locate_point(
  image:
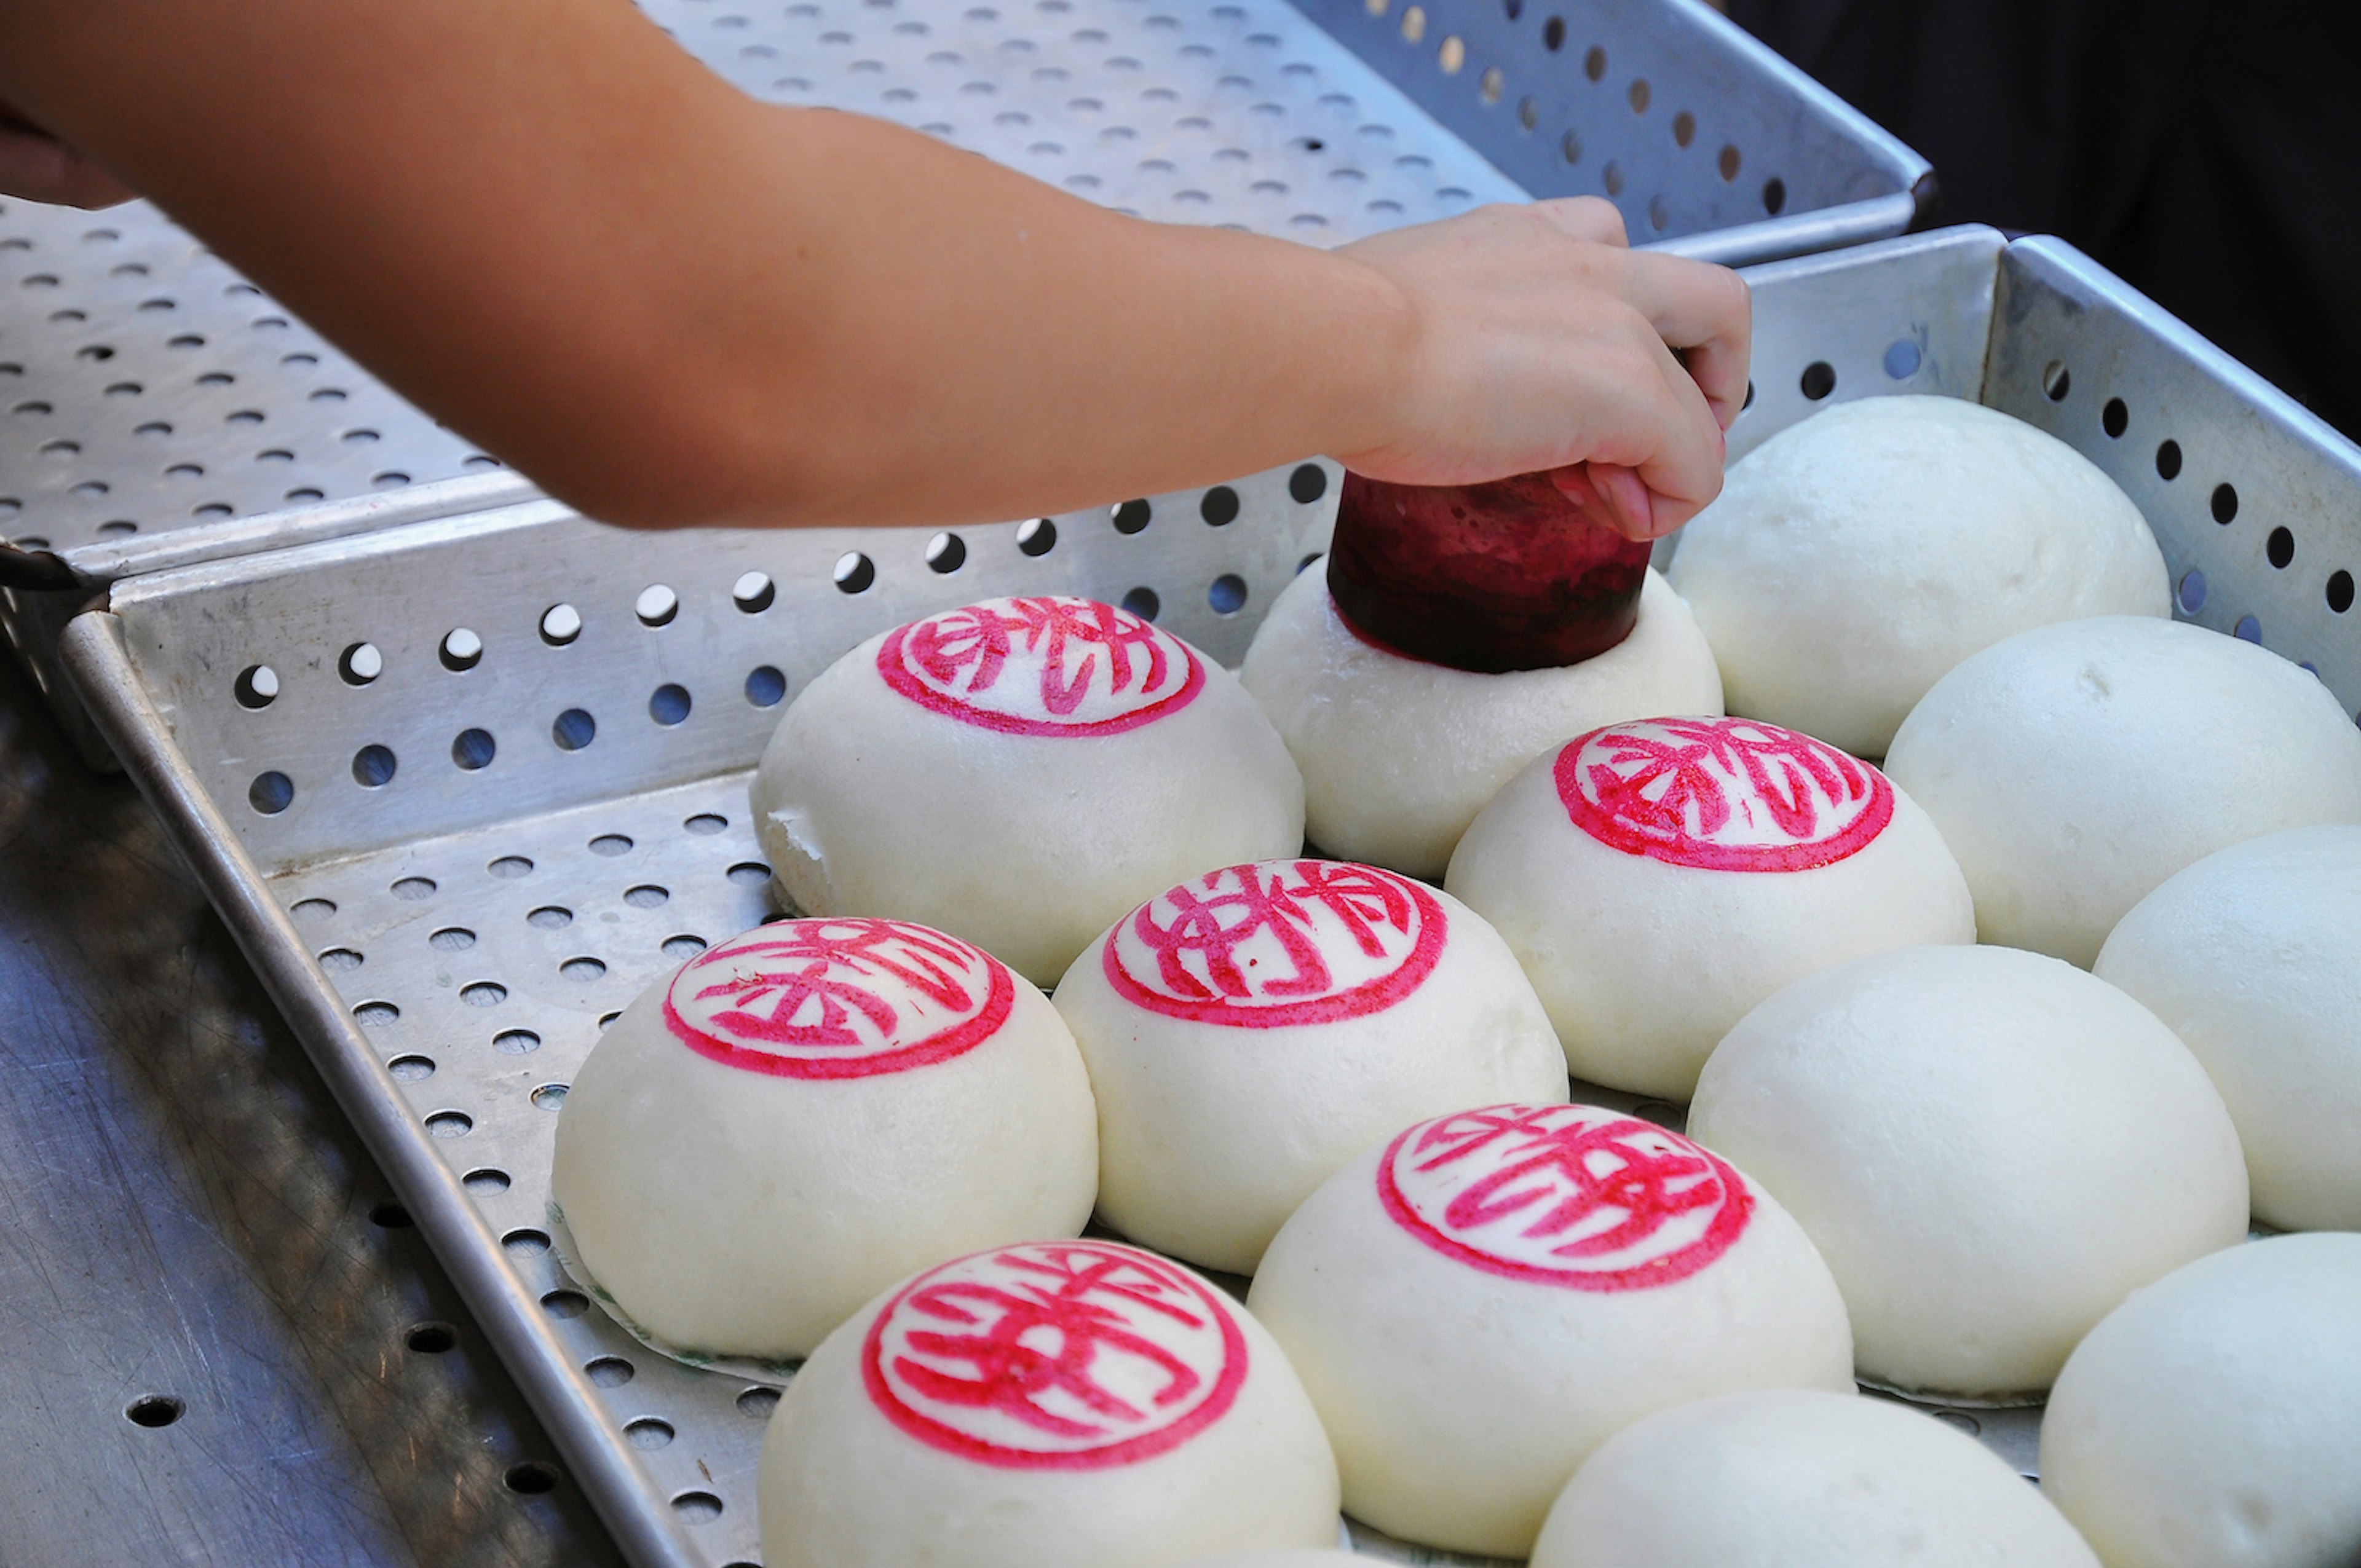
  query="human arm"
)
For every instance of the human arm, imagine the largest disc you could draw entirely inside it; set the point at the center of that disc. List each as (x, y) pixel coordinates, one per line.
(552, 229)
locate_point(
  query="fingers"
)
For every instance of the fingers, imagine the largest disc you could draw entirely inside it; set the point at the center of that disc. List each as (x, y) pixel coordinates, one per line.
(1705, 311)
(1584, 218)
(39, 168)
(1610, 495)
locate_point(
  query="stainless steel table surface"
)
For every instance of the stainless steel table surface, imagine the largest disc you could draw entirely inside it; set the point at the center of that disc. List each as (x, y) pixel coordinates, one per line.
(187, 1225)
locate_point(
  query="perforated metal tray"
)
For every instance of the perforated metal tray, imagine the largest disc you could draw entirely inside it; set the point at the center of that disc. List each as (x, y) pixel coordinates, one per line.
(156, 409)
(447, 938)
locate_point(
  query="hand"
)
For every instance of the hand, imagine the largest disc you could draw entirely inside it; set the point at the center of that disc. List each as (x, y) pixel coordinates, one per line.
(37, 166)
(1542, 342)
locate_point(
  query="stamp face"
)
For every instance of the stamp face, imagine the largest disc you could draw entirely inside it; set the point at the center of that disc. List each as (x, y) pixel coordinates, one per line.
(1567, 1195)
(1055, 1355)
(843, 998)
(1727, 794)
(1281, 943)
(1045, 665)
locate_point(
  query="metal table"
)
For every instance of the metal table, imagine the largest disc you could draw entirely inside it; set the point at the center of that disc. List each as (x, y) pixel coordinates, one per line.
(220, 1340)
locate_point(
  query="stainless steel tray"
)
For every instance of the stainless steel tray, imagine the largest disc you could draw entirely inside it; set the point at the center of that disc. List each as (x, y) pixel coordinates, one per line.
(156, 409)
(448, 940)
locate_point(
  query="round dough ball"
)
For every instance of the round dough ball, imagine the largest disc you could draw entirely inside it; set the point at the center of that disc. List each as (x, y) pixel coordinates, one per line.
(2253, 956)
(2073, 768)
(1251, 1030)
(1478, 1305)
(1793, 1476)
(1991, 1148)
(802, 1114)
(1051, 1405)
(2213, 1420)
(1398, 755)
(1851, 560)
(1019, 773)
(1658, 878)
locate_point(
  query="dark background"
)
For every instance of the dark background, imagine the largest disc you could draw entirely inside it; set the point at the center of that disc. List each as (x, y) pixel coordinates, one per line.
(2208, 151)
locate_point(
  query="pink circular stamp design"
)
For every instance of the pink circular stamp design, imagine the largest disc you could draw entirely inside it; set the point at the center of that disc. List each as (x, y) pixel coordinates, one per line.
(837, 998)
(1280, 943)
(1055, 1355)
(1725, 795)
(1042, 665)
(1569, 1195)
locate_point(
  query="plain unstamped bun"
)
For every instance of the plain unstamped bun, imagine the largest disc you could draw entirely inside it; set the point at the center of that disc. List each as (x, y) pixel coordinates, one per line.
(1481, 1302)
(1658, 878)
(1051, 1405)
(1398, 755)
(1018, 773)
(2073, 768)
(1853, 559)
(1251, 1030)
(2253, 956)
(2213, 1420)
(802, 1114)
(1792, 1476)
(1991, 1150)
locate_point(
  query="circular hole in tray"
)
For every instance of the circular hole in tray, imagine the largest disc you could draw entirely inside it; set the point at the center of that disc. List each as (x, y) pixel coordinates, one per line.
(765, 686)
(508, 867)
(1612, 177)
(1413, 24)
(573, 730)
(549, 1096)
(270, 792)
(1684, 128)
(450, 1124)
(411, 889)
(646, 895)
(1901, 357)
(360, 664)
(606, 1018)
(750, 874)
(516, 1042)
(2339, 590)
(550, 917)
(2190, 591)
(2168, 460)
(1819, 379)
(1659, 215)
(526, 1243)
(452, 939)
(314, 908)
(411, 1069)
(1569, 147)
(1493, 85)
(1306, 563)
(560, 624)
(1038, 537)
(1131, 516)
(696, 1508)
(1452, 55)
(486, 1180)
(1307, 483)
(2225, 509)
(656, 604)
(566, 1303)
(2057, 380)
(461, 649)
(373, 766)
(152, 1410)
(2115, 419)
(375, 1015)
(946, 554)
(611, 1371)
(759, 1401)
(1961, 1419)
(649, 1432)
(684, 946)
(335, 960)
(611, 844)
(472, 750)
(1639, 95)
(854, 573)
(390, 1216)
(2248, 630)
(1775, 195)
(1143, 603)
(1227, 594)
(1726, 162)
(1220, 506)
(531, 1479)
(432, 1338)
(2279, 549)
(257, 687)
(484, 993)
(582, 969)
(705, 823)
(669, 704)
(753, 592)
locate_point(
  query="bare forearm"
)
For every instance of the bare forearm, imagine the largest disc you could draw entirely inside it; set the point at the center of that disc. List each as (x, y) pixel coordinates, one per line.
(550, 228)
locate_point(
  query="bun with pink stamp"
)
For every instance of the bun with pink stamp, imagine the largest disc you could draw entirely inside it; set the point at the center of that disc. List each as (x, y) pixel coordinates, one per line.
(798, 1115)
(1480, 1302)
(1658, 878)
(1045, 1404)
(1250, 1030)
(1018, 772)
